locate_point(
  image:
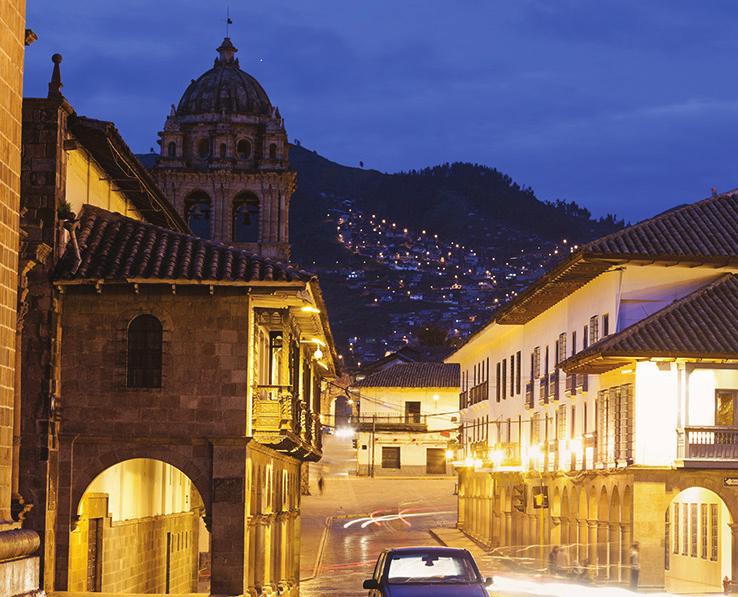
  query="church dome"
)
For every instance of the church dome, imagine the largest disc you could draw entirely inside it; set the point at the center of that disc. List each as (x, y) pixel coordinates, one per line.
(225, 88)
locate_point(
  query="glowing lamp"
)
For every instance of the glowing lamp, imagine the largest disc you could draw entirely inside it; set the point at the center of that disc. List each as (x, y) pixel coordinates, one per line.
(449, 454)
(496, 457)
(318, 354)
(310, 309)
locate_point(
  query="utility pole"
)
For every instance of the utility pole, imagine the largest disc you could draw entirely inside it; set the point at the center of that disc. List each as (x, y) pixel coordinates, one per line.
(374, 428)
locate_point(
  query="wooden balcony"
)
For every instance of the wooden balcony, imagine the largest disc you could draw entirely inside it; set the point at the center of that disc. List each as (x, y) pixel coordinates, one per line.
(529, 394)
(284, 422)
(479, 393)
(582, 382)
(708, 446)
(571, 384)
(391, 422)
(463, 400)
(553, 386)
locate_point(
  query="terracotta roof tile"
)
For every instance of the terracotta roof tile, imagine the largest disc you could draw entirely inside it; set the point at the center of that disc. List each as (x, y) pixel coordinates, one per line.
(414, 375)
(113, 246)
(702, 324)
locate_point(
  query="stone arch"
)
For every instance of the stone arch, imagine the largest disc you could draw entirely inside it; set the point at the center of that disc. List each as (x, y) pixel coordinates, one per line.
(95, 464)
(603, 532)
(617, 549)
(245, 223)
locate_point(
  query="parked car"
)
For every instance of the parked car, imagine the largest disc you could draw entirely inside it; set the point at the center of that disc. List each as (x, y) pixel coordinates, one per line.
(426, 572)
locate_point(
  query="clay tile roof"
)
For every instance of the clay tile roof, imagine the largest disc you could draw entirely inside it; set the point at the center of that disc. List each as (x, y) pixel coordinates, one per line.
(702, 324)
(114, 247)
(414, 375)
(707, 228)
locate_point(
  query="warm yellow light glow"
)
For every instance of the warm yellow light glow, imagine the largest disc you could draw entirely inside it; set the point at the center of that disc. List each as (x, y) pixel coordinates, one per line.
(318, 354)
(318, 341)
(449, 454)
(478, 463)
(626, 371)
(496, 457)
(322, 364)
(468, 461)
(310, 309)
(436, 397)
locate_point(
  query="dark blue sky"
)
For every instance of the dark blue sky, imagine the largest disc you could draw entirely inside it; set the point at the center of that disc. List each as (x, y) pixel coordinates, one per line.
(625, 106)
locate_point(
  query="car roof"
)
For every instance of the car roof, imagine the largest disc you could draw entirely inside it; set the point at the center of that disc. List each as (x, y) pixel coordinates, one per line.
(431, 549)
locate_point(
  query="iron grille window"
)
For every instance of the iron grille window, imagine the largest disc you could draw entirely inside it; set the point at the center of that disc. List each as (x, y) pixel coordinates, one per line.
(606, 324)
(144, 352)
(497, 387)
(693, 530)
(714, 532)
(512, 375)
(703, 529)
(562, 347)
(537, 362)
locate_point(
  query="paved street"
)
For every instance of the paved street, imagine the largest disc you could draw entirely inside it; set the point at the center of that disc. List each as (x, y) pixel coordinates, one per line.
(349, 553)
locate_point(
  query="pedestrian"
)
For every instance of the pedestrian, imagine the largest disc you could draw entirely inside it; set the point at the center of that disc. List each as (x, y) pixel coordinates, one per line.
(321, 484)
(635, 565)
(553, 563)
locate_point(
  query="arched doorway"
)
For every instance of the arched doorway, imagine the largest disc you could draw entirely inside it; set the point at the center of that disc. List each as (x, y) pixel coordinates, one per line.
(140, 529)
(699, 542)
(341, 412)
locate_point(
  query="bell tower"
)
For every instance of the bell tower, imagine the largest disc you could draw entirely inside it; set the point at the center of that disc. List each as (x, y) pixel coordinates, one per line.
(224, 160)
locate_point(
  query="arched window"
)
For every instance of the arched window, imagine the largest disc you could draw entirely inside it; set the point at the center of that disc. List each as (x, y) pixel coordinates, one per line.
(198, 214)
(144, 352)
(222, 151)
(273, 151)
(246, 218)
(203, 148)
(243, 148)
(172, 150)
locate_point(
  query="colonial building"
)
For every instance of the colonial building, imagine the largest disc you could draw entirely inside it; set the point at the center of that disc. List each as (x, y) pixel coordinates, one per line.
(224, 161)
(611, 386)
(172, 386)
(409, 417)
(19, 563)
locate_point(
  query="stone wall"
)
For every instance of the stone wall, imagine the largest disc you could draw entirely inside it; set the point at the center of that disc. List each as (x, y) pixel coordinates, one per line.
(134, 552)
(12, 40)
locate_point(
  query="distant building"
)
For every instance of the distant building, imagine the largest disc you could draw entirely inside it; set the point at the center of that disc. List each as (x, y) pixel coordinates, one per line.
(611, 383)
(409, 418)
(224, 161)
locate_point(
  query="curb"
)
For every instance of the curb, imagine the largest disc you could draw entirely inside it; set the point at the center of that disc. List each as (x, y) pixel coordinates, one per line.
(321, 550)
(440, 541)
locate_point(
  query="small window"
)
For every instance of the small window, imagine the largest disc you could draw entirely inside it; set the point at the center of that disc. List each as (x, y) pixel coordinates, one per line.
(594, 331)
(562, 347)
(537, 362)
(144, 352)
(203, 148)
(273, 151)
(172, 150)
(391, 457)
(243, 149)
(606, 324)
(585, 337)
(223, 151)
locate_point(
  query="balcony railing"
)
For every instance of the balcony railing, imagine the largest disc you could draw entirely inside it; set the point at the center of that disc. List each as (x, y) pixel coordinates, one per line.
(478, 393)
(285, 422)
(708, 443)
(391, 422)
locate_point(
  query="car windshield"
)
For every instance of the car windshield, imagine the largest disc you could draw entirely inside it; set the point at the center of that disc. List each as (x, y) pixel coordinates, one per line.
(430, 568)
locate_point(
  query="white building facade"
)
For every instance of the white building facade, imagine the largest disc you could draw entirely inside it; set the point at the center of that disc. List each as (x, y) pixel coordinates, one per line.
(612, 383)
(409, 419)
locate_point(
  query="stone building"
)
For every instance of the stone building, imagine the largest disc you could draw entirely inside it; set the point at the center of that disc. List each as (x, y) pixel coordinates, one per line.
(600, 407)
(224, 161)
(173, 386)
(18, 546)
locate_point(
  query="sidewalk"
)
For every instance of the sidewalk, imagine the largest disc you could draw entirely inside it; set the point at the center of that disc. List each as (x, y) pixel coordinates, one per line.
(455, 538)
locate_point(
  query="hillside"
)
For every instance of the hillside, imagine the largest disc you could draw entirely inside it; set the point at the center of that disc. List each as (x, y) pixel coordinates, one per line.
(441, 246)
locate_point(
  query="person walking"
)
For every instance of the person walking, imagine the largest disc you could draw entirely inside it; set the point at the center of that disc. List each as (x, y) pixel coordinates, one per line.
(635, 565)
(321, 484)
(553, 560)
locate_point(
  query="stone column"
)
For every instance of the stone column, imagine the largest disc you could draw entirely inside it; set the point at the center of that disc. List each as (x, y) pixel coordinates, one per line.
(592, 545)
(582, 540)
(228, 519)
(615, 548)
(626, 532)
(734, 551)
(603, 551)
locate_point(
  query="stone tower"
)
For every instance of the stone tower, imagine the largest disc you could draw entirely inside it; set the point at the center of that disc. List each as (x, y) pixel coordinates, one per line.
(224, 160)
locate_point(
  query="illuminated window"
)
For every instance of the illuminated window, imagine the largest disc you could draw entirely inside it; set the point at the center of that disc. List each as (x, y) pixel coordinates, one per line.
(693, 530)
(144, 352)
(246, 218)
(675, 546)
(714, 532)
(726, 413)
(243, 149)
(703, 529)
(198, 214)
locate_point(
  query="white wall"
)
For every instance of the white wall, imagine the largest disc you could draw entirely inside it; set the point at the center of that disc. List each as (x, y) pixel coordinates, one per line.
(655, 412)
(441, 405)
(143, 487)
(701, 386)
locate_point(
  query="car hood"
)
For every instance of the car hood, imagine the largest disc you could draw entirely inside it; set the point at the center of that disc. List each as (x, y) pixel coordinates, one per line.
(437, 590)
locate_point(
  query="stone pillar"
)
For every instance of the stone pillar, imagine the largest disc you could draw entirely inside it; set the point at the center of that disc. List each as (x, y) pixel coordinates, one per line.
(615, 538)
(626, 532)
(603, 552)
(734, 551)
(649, 503)
(228, 519)
(581, 540)
(592, 544)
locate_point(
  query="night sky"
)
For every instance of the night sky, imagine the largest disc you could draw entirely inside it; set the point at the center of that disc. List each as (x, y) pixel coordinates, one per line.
(625, 106)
